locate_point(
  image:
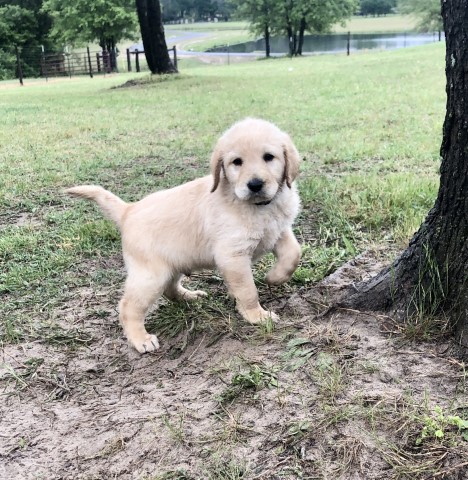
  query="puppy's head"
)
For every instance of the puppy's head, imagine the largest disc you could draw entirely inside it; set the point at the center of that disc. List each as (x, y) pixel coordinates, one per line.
(254, 159)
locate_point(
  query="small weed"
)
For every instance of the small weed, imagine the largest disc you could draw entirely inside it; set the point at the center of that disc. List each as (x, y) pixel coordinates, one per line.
(329, 377)
(225, 469)
(435, 426)
(252, 380)
(175, 427)
(298, 429)
(298, 353)
(256, 378)
(232, 426)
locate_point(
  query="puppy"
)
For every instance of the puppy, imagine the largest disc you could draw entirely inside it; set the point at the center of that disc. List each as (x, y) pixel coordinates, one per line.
(227, 220)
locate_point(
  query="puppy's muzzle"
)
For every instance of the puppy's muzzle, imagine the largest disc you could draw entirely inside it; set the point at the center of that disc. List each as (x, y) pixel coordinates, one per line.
(255, 185)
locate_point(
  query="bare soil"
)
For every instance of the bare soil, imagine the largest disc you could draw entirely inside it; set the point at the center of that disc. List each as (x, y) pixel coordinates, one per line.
(322, 396)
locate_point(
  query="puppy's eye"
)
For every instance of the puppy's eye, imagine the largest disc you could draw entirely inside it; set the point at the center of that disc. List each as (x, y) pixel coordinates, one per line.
(237, 161)
(268, 157)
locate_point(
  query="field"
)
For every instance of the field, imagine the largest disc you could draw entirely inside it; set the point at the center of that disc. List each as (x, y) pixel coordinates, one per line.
(346, 395)
(223, 33)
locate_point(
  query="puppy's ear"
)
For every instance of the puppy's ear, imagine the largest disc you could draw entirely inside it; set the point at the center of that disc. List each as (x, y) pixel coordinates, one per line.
(291, 161)
(216, 167)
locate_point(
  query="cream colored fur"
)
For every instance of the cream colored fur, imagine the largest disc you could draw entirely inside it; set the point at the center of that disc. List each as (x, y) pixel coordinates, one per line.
(213, 222)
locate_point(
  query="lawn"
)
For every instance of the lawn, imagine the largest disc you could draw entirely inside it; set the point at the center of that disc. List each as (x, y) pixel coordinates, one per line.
(312, 397)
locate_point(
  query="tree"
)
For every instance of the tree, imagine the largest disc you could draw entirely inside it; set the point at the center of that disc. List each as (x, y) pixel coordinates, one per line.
(426, 11)
(261, 15)
(318, 16)
(377, 7)
(25, 28)
(175, 10)
(152, 34)
(430, 276)
(38, 29)
(83, 21)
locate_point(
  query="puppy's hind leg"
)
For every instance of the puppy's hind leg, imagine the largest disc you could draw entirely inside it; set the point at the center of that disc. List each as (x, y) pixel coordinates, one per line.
(142, 288)
(288, 253)
(175, 291)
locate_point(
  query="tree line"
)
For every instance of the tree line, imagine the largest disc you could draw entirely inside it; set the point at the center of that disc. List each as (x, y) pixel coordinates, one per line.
(52, 24)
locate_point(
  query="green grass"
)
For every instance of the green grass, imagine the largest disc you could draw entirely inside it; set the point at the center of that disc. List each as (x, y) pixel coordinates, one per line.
(383, 24)
(368, 127)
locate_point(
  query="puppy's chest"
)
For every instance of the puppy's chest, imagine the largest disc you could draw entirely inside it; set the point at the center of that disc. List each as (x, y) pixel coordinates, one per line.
(265, 233)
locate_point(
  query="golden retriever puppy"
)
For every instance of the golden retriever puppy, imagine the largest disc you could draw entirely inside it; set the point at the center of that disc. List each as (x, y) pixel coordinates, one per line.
(227, 220)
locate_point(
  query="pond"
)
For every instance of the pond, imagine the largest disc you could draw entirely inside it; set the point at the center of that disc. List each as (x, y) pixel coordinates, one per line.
(337, 43)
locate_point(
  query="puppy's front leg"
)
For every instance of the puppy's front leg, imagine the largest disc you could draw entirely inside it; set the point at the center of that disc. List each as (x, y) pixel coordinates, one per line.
(288, 253)
(237, 273)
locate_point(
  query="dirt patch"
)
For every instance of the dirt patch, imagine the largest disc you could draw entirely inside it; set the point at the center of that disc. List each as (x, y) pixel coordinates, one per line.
(332, 397)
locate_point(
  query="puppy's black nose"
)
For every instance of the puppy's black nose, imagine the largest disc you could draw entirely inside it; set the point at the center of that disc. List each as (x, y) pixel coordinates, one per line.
(255, 185)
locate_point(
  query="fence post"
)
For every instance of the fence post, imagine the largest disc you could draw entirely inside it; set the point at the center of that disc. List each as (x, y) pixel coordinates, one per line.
(89, 63)
(98, 62)
(137, 61)
(129, 62)
(175, 57)
(68, 63)
(18, 65)
(348, 44)
(43, 63)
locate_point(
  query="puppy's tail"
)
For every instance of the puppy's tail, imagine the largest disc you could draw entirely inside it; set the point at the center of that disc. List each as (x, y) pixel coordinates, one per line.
(112, 206)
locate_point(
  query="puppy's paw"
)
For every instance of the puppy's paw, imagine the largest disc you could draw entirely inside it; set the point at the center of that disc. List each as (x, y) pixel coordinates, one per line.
(149, 343)
(191, 296)
(277, 277)
(258, 315)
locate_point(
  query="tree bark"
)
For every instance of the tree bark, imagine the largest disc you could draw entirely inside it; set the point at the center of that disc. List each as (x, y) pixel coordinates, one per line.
(152, 34)
(302, 29)
(267, 41)
(431, 276)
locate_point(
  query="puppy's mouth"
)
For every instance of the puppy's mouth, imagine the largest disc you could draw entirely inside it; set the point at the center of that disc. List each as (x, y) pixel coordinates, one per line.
(266, 202)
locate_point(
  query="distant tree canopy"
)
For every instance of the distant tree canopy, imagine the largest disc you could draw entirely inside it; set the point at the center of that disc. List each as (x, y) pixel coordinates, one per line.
(377, 7)
(293, 18)
(428, 13)
(23, 23)
(83, 21)
(179, 10)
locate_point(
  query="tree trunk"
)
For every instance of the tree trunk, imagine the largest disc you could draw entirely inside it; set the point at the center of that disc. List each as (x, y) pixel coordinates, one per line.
(267, 41)
(302, 29)
(431, 276)
(290, 40)
(152, 34)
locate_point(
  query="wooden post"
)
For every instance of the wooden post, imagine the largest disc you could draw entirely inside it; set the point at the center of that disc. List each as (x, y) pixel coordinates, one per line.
(175, 57)
(18, 65)
(98, 62)
(89, 63)
(129, 62)
(348, 44)
(137, 61)
(43, 63)
(68, 63)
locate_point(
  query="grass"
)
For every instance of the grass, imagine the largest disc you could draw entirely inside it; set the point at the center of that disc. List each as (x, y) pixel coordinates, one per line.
(368, 128)
(369, 173)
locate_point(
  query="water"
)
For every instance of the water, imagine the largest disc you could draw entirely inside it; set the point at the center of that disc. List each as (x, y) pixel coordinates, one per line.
(337, 43)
